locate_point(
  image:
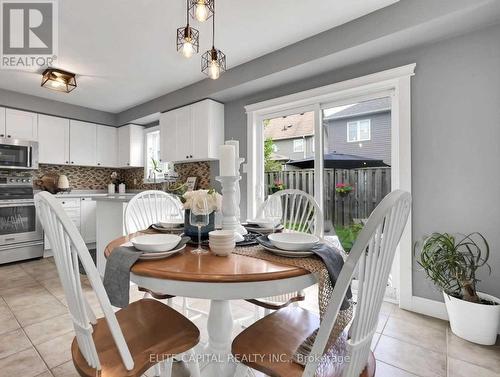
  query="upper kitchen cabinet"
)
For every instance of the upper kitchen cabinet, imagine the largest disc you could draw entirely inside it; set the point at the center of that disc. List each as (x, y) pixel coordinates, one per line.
(20, 125)
(107, 146)
(192, 132)
(53, 140)
(83, 143)
(131, 146)
(2, 122)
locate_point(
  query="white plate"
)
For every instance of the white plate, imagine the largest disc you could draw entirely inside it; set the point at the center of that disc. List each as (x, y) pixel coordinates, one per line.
(263, 223)
(258, 229)
(289, 254)
(293, 241)
(156, 242)
(173, 223)
(166, 254)
(167, 230)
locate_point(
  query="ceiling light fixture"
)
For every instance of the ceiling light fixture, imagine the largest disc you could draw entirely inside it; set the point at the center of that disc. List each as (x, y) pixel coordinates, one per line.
(213, 61)
(188, 38)
(202, 10)
(58, 79)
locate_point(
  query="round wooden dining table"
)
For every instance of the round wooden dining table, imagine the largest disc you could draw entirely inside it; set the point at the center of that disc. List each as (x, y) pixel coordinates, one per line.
(220, 280)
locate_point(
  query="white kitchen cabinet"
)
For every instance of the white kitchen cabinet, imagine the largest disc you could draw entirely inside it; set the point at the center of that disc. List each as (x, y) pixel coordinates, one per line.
(107, 146)
(21, 125)
(176, 135)
(207, 124)
(131, 146)
(2, 122)
(88, 219)
(192, 133)
(53, 140)
(82, 143)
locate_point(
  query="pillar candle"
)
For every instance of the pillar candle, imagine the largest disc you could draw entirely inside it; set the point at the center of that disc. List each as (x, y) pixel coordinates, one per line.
(236, 145)
(227, 161)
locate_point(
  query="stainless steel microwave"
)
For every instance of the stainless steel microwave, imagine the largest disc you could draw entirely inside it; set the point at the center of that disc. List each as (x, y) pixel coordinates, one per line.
(18, 154)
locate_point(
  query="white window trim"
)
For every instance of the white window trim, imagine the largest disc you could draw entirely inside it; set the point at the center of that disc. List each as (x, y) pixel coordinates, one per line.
(358, 133)
(298, 148)
(396, 82)
(145, 152)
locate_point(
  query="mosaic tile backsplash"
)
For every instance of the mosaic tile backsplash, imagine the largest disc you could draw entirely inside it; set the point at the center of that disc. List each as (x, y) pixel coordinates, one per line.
(94, 178)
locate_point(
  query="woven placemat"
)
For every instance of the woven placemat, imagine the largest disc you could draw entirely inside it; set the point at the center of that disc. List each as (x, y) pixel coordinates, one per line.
(325, 290)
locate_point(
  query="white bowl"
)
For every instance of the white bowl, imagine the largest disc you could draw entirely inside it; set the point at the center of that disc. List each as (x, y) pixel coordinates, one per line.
(218, 234)
(263, 222)
(293, 241)
(222, 251)
(156, 242)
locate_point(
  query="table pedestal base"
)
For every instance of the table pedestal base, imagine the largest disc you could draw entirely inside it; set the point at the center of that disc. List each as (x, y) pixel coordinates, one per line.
(217, 354)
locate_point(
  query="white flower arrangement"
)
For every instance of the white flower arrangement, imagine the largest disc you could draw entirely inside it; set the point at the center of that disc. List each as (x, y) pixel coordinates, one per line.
(194, 200)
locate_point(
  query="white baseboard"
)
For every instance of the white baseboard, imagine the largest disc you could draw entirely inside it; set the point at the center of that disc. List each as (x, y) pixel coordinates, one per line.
(428, 307)
(431, 308)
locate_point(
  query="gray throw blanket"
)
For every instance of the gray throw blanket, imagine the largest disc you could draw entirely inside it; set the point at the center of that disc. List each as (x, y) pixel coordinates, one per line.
(331, 257)
(117, 275)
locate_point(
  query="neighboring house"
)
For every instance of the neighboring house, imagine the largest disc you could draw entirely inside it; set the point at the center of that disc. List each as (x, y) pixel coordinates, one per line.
(363, 129)
(293, 136)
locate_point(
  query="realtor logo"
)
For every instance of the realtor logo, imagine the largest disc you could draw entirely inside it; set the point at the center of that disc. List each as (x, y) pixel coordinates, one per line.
(28, 33)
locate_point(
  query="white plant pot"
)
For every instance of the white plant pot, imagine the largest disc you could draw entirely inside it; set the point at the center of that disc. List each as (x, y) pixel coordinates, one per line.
(476, 323)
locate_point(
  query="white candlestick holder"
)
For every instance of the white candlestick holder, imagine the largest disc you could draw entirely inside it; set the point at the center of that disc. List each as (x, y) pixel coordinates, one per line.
(229, 207)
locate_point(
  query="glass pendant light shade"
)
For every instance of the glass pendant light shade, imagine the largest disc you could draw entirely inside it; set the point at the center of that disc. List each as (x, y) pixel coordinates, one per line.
(202, 10)
(188, 41)
(58, 79)
(213, 63)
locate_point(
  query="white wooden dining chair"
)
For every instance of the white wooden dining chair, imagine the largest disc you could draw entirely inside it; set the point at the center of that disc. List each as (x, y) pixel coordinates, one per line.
(127, 343)
(301, 213)
(147, 208)
(282, 332)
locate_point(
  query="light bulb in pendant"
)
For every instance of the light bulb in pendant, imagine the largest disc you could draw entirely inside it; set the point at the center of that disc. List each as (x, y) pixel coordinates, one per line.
(214, 70)
(187, 49)
(201, 11)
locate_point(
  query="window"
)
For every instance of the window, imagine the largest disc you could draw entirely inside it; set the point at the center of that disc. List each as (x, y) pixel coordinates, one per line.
(153, 153)
(359, 130)
(298, 145)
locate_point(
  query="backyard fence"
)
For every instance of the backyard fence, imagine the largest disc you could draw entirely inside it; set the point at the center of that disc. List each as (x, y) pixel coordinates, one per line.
(370, 187)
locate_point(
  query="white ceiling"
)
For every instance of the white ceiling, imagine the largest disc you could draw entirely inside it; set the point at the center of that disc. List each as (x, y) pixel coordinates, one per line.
(123, 51)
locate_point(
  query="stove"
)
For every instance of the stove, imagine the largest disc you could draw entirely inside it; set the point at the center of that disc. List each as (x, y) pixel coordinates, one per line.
(21, 235)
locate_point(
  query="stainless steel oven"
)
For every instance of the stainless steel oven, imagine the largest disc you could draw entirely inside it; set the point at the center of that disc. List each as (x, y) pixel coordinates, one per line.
(21, 235)
(18, 154)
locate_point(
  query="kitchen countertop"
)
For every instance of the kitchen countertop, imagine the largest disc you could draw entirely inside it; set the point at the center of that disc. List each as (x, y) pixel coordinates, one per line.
(114, 198)
(97, 195)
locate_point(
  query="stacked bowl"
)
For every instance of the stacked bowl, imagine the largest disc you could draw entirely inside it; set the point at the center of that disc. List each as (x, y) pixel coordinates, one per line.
(221, 242)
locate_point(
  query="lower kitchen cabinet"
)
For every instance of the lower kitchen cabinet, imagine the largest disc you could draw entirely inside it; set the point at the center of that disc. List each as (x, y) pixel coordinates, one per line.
(82, 212)
(88, 219)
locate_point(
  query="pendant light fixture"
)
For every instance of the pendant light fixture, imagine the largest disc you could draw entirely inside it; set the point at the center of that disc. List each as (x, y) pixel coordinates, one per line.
(213, 61)
(202, 10)
(188, 38)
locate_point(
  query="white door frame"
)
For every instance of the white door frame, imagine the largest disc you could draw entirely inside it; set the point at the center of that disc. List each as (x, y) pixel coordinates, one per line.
(395, 81)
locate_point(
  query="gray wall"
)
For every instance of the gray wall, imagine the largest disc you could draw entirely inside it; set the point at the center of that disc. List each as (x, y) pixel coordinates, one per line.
(285, 148)
(45, 106)
(379, 146)
(455, 137)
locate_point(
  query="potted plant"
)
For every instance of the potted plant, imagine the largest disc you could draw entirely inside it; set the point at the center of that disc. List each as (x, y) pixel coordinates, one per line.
(192, 199)
(277, 186)
(451, 263)
(343, 189)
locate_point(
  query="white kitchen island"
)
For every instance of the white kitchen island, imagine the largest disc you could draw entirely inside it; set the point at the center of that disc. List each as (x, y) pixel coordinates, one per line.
(110, 215)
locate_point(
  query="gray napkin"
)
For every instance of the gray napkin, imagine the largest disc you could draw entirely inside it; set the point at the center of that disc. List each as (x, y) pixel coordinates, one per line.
(117, 275)
(331, 257)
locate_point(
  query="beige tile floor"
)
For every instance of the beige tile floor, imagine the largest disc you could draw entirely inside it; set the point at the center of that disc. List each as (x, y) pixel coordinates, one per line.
(36, 332)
